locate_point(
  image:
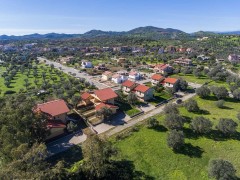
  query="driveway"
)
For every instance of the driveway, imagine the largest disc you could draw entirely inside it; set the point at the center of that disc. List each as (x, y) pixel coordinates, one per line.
(65, 142)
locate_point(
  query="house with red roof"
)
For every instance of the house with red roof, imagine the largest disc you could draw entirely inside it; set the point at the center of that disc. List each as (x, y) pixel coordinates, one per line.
(54, 110)
(128, 86)
(157, 79)
(163, 68)
(103, 105)
(107, 75)
(170, 82)
(144, 93)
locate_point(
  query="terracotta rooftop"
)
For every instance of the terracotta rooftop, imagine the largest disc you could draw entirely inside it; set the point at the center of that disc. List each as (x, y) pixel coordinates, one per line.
(157, 77)
(115, 76)
(101, 105)
(107, 73)
(85, 95)
(105, 94)
(53, 108)
(128, 83)
(171, 80)
(142, 88)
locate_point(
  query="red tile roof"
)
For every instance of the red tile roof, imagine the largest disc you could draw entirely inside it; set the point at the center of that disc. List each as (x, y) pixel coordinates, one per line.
(107, 73)
(55, 124)
(133, 73)
(128, 83)
(85, 95)
(115, 76)
(142, 88)
(53, 108)
(105, 94)
(101, 105)
(161, 66)
(171, 80)
(157, 77)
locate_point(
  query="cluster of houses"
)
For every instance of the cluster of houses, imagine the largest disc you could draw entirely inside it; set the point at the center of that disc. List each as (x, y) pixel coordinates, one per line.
(121, 76)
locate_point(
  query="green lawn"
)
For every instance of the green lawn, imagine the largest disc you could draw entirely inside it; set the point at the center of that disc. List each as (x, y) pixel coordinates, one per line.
(201, 80)
(150, 154)
(160, 97)
(132, 111)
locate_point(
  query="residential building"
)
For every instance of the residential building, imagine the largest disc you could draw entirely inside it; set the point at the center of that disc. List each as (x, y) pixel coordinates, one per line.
(157, 79)
(56, 128)
(107, 75)
(144, 93)
(170, 82)
(54, 110)
(128, 86)
(134, 75)
(163, 68)
(119, 78)
(106, 95)
(86, 64)
(183, 62)
(110, 106)
(234, 58)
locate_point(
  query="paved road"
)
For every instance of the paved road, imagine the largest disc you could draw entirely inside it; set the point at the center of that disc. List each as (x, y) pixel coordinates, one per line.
(68, 70)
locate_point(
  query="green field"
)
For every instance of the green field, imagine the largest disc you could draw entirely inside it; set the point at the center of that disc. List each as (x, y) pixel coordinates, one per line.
(18, 82)
(150, 154)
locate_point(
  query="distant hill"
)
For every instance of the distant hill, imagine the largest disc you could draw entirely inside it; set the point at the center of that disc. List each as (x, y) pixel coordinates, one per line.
(148, 32)
(230, 32)
(39, 36)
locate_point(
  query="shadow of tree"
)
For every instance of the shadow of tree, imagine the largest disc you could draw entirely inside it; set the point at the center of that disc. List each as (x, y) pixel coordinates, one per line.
(202, 112)
(226, 107)
(125, 169)
(160, 128)
(190, 134)
(70, 156)
(190, 150)
(187, 119)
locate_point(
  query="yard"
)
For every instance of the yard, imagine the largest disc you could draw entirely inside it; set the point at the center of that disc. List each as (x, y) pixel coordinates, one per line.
(160, 97)
(149, 152)
(130, 110)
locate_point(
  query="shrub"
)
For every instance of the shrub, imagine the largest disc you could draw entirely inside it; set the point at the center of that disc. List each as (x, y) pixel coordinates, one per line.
(175, 139)
(201, 125)
(227, 126)
(236, 94)
(203, 92)
(191, 105)
(238, 116)
(220, 92)
(152, 123)
(171, 108)
(174, 121)
(220, 103)
(221, 169)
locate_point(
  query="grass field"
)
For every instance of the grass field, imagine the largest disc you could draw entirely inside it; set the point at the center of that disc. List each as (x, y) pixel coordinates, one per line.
(150, 154)
(18, 82)
(201, 80)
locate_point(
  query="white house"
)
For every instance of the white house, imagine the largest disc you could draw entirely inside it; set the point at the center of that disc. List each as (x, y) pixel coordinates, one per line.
(86, 64)
(134, 75)
(118, 78)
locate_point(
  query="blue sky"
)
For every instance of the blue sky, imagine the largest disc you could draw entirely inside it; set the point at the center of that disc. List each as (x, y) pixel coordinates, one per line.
(78, 16)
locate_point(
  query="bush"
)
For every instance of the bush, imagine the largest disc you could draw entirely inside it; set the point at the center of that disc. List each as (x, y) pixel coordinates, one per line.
(203, 92)
(238, 116)
(175, 139)
(220, 103)
(236, 94)
(220, 92)
(191, 105)
(227, 126)
(201, 125)
(72, 127)
(152, 123)
(171, 108)
(174, 121)
(221, 169)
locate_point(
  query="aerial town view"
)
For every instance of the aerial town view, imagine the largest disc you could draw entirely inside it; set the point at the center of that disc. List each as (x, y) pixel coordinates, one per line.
(119, 90)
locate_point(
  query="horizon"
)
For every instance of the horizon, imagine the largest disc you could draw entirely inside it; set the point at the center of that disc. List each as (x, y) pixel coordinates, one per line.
(77, 17)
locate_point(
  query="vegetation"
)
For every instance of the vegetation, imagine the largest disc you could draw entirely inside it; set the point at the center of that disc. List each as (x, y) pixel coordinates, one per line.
(175, 139)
